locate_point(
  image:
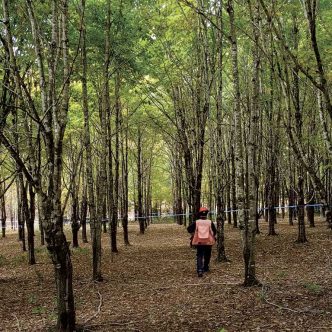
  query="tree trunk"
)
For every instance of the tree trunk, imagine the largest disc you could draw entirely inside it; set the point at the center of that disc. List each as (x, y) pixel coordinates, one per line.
(221, 252)
(311, 15)
(238, 151)
(124, 159)
(20, 211)
(300, 201)
(29, 216)
(249, 228)
(41, 228)
(233, 176)
(311, 209)
(58, 247)
(141, 218)
(217, 162)
(75, 225)
(3, 214)
(52, 127)
(115, 200)
(94, 223)
(84, 212)
(291, 198)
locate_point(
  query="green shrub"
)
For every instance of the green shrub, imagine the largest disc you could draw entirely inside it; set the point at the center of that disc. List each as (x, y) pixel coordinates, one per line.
(81, 251)
(32, 299)
(282, 274)
(19, 259)
(3, 261)
(313, 287)
(41, 250)
(38, 310)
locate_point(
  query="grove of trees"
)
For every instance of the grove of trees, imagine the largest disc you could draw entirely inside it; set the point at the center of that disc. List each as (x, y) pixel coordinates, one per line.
(112, 108)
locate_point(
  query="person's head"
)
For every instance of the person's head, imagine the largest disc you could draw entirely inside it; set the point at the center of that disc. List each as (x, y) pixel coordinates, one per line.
(203, 212)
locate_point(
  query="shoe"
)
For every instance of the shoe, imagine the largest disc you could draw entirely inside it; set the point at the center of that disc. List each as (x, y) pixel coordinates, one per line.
(206, 270)
(200, 274)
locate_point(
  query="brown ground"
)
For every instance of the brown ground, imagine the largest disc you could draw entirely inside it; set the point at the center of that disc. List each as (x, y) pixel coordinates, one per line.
(152, 285)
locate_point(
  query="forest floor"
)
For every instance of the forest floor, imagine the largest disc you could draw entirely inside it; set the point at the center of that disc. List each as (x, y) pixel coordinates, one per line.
(152, 285)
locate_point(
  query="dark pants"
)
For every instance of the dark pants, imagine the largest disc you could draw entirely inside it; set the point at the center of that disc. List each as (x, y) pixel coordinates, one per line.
(203, 258)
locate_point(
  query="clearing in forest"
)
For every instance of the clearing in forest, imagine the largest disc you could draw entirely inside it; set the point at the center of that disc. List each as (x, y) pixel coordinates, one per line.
(152, 285)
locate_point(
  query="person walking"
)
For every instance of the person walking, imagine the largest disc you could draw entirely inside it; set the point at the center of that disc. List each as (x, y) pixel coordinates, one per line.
(204, 232)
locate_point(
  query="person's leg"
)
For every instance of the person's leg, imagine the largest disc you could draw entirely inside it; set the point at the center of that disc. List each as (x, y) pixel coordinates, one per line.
(199, 257)
(207, 257)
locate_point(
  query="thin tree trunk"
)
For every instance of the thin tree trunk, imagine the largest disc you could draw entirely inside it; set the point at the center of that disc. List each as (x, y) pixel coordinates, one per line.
(115, 208)
(300, 201)
(124, 152)
(20, 211)
(249, 231)
(141, 219)
(52, 127)
(298, 124)
(30, 221)
(233, 176)
(311, 14)
(75, 226)
(3, 214)
(94, 223)
(84, 212)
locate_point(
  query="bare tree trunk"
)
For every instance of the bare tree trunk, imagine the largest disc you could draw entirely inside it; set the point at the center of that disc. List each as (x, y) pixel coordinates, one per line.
(20, 211)
(311, 14)
(141, 219)
(291, 198)
(238, 151)
(310, 208)
(124, 152)
(298, 125)
(326, 134)
(40, 222)
(51, 204)
(75, 226)
(19, 190)
(249, 231)
(52, 126)
(28, 210)
(283, 200)
(115, 200)
(300, 201)
(218, 163)
(84, 211)
(272, 149)
(233, 182)
(94, 223)
(310, 190)
(228, 199)
(3, 214)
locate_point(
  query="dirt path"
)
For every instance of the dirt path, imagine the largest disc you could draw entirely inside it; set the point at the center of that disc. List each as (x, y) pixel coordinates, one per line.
(152, 285)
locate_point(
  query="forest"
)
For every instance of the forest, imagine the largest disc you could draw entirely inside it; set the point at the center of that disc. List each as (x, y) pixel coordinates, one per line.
(119, 119)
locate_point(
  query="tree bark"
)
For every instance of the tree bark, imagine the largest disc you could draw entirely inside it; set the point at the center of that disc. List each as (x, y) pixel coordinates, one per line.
(94, 223)
(141, 218)
(124, 172)
(249, 228)
(3, 214)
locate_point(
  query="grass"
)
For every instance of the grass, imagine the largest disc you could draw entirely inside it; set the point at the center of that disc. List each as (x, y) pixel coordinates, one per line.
(81, 250)
(19, 259)
(3, 261)
(37, 310)
(282, 274)
(314, 288)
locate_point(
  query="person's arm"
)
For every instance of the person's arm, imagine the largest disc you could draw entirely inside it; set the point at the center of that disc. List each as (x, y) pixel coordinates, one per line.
(214, 229)
(192, 227)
